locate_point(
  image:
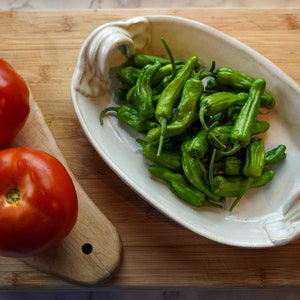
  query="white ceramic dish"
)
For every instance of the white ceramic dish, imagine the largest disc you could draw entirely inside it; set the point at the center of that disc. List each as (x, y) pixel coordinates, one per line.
(266, 216)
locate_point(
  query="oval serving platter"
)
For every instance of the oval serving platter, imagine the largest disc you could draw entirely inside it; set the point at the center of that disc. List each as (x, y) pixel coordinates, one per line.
(265, 217)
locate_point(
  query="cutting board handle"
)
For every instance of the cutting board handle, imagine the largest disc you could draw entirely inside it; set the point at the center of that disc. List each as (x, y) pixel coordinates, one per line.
(93, 249)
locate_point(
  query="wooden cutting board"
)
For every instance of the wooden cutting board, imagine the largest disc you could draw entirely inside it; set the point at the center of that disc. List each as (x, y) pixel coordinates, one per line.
(43, 46)
(92, 251)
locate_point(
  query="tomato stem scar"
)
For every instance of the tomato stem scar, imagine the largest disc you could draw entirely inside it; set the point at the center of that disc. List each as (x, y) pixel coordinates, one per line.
(13, 196)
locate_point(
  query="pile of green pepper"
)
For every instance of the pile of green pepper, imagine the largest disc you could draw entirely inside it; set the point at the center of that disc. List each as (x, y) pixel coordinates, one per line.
(201, 126)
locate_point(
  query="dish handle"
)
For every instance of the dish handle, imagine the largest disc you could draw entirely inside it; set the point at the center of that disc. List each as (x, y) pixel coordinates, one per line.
(128, 36)
(284, 226)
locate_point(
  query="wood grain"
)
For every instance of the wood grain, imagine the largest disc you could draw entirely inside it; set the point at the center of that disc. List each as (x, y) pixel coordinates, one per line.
(43, 46)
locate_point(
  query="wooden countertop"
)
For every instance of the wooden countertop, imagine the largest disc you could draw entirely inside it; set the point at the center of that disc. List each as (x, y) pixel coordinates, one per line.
(43, 46)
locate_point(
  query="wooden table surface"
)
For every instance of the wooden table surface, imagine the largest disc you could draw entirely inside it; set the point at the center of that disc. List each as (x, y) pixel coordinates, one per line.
(43, 46)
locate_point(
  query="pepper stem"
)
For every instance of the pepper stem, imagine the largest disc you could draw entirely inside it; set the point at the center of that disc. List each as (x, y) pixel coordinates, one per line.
(208, 129)
(235, 148)
(243, 191)
(211, 168)
(202, 119)
(217, 141)
(104, 111)
(170, 56)
(208, 73)
(163, 126)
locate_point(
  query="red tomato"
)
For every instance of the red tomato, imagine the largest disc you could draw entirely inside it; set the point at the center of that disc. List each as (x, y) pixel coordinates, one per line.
(38, 202)
(14, 103)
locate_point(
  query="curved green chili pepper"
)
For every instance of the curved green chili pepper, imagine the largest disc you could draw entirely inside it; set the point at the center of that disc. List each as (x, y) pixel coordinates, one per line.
(260, 127)
(184, 114)
(163, 72)
(195, 172)
(255, 158)
(267, 101)
(167, 159)
(242, 129)
(230, 166)
(159, 86)
(233, 78)
(253, 166)
(232, 114)
(129, 116)
(275, 155)
(198, 145)
(218, 102)
(237, 80)
(232, 186)
(129, 97)
(142, 91)
(215, 119)
(223, 133)
(170, 95)
(181, 188)
(128, 75)
(140, 60)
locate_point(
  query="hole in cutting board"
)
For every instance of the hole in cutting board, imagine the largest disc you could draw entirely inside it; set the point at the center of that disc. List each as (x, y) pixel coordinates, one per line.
(87, 248)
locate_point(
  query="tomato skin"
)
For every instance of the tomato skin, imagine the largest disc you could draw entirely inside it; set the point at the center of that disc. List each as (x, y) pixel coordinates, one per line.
(48, 208)
(14, 103)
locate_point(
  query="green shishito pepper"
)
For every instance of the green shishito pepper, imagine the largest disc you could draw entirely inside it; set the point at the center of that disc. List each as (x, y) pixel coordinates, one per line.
(232, 186)
(223, 133)
(275, 155)
(170, 95)
(129, 116)
(253, 166)
(195, 172)
(218, 102)
(237, 80)
(163, 72)
(167, 159)
(230, 166)
(142, 92)
(198, 145)
(229, 77)
(255, 158)
(181, 188)
(184, 114)
(128, 75)
(140, 60)
(241, 132)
